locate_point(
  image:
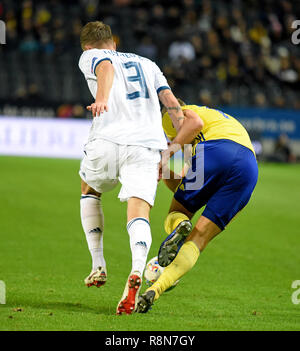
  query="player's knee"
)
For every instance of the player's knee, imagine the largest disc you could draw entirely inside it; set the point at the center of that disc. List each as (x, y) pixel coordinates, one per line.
(137, 207)
(87, 190)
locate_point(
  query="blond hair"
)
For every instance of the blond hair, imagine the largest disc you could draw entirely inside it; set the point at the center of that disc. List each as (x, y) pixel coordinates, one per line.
(95, 34)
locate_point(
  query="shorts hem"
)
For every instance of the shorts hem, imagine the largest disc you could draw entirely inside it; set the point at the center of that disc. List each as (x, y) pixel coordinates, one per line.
(208, 213)
(185, 204)
(96, 188)
(145, 198)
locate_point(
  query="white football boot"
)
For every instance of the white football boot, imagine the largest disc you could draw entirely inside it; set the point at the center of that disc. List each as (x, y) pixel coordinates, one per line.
(96, 278)
(130, 295)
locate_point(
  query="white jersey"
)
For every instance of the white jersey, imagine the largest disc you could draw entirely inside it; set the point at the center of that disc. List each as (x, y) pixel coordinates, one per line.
(133, 116)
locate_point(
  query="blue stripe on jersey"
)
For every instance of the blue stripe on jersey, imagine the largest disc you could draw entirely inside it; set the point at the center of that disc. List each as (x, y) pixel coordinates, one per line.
(162, 88)
(104, 59)
(200, 137)
(93, 61)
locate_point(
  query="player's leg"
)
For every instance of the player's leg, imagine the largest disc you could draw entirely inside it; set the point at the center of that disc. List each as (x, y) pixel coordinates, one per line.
(139, 182)
(203, 232)
(92, 220)
(95, 179)
(178, 226)
(203, 179)
(212, 222)
(176, 206)
(221, 208)
(183, 207)
(138, 228)
(171, 181)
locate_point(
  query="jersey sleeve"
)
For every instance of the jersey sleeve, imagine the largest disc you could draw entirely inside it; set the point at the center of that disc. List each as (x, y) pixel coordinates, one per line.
(90, 59)
(160, 82)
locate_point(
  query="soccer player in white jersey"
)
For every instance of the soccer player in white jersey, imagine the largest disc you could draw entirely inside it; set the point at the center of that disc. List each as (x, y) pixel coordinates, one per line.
(124, 145)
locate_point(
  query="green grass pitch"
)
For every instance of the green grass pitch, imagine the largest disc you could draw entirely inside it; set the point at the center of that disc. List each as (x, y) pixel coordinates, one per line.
(242, 280)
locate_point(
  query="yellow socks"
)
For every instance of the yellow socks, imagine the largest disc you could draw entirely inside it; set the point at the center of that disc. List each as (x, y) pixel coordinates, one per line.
(173, 219)
(183, 262)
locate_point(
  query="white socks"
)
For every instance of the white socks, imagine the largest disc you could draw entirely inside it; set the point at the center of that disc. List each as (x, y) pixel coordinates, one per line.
(92, 220)
(140, 242)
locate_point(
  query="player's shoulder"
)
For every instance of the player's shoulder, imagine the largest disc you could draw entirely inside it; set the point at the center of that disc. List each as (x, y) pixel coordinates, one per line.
(89, 54)
(203, 110)
(89, 59)
(195, 108)
(85, 58)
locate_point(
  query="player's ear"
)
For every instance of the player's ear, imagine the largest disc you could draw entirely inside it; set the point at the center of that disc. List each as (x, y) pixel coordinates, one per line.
(88, 47)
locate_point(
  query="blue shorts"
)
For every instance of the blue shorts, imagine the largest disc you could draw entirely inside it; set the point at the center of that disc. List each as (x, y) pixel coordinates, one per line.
(222, 177)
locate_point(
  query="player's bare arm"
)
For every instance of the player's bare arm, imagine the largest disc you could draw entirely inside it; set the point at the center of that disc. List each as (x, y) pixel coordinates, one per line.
(172, 105)
(191, 126)
(105, 76)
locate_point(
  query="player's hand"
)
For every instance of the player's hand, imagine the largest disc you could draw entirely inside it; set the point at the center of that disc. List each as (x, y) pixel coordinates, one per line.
(159, 177)
(167, 154)
(164, 171)
(97, 108)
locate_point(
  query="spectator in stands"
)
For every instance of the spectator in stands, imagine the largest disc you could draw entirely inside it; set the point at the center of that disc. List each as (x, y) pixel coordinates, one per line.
(282, 150)
(147, 48)
(181, 49)
(231, 46)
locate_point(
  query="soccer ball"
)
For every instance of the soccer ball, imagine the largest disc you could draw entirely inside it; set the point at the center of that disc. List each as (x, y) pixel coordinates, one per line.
(153, 271)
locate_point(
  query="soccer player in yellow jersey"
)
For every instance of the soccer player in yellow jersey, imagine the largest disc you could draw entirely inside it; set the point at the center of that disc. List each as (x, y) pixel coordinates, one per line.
(222, 175)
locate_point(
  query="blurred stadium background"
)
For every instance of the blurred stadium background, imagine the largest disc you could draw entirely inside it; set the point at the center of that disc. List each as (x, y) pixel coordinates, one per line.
(234, 55)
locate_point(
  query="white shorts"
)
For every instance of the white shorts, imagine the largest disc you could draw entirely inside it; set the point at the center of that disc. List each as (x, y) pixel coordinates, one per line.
(105, 164)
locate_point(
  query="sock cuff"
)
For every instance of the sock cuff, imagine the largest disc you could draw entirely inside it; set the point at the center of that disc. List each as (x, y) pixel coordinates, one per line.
(129, 224)
(89, 196)
(193, 246)
(173, 219)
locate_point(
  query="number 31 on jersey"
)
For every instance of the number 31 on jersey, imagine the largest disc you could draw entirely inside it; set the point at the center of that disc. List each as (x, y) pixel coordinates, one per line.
(139, 77)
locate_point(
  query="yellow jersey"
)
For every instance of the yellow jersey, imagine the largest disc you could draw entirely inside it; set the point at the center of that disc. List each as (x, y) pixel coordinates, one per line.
(217, 125)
